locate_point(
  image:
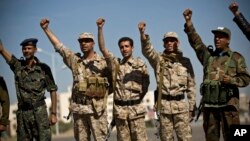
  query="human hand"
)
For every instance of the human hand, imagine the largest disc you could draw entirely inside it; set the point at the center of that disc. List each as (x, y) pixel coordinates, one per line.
(234, 7)
(53, 119)
(100, 22)
(2, 128)
(191, 115)
(44, 23)
(226, 79)
(142, 27)
(188, 15)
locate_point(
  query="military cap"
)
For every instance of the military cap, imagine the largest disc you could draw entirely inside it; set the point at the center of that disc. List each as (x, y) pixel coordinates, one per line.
(85, 35)
(170, 35)
(29, 41)
(222, 30)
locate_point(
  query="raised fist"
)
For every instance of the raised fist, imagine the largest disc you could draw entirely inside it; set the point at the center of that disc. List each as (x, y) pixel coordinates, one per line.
(142, 27)
(187, 14)
(44, 23)
(234, 7)
(100, 22)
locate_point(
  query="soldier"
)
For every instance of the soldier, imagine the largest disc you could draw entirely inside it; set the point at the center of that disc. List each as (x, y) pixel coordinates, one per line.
(90, 86)
(132, 81)
(32, 78)
(224, 71)
(240, 20)
(4, 107)
(175, 78)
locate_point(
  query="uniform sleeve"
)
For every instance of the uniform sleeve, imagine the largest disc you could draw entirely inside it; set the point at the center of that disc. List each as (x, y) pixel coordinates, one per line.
(242, 78)
(243, 24)
(14, 63)
(4, 100)
(145, 80)
(149, 52)
(49, 80)
(111, 62)
(69, 57)
(196, 43)
(191, 87)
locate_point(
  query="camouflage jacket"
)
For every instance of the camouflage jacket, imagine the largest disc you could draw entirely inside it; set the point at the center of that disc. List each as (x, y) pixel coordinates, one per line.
(31, 83)
(243, 25)
(82, 68)
(4, 101)
(178, 78)
(132, 83)
(237, 68)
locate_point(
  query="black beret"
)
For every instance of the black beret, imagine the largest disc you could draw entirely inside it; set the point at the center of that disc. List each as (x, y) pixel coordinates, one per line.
(29, 41)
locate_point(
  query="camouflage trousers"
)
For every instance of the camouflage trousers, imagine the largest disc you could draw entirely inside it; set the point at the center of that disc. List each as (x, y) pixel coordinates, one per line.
(85, 124)
(216, 118)
(33, 124)
(178, 122)
(131, 129)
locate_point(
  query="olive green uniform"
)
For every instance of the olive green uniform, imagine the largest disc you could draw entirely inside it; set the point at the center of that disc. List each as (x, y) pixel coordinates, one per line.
(31, 83)
(221, 101)
(5, 104)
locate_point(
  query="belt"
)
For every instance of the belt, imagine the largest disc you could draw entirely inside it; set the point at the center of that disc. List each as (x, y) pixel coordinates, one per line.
(30, 106)
(170, 97)
(127, 103)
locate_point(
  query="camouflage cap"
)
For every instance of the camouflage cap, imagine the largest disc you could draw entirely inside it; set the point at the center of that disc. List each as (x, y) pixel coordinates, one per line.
(222, 30)
(170, 35)
(29, 41)
(86, 35)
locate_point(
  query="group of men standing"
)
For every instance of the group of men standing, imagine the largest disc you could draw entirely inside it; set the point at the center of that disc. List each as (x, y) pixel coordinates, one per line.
(95, 77)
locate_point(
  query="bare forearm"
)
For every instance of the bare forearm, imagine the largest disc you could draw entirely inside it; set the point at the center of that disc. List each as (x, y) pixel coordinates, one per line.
(53, 96)
(6, 55)
(101, 43)
(53, 39)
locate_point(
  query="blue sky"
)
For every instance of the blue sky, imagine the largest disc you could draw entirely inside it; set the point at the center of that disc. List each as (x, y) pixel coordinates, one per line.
(20, 19)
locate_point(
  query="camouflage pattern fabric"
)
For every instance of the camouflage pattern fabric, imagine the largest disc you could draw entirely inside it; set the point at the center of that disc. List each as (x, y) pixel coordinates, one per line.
(237, 70)
(211, 125)
(131, 130)
(131, 84)
(31, 84)
(243, 24)
(32, 80)
(178, 122)
(88, 111)
(4, 101)
(178, 79)
(33, 124)
(87, 124)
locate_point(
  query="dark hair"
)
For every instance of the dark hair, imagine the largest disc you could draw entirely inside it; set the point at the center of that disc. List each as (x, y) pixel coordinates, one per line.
(126, 39)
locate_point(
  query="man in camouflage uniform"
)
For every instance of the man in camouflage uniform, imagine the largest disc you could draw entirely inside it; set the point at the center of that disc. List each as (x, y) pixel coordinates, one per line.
(131, 84)
(88, 101)
(240, 20)
(4, 107)
(224, 71)
(32, 78)
(175, 78)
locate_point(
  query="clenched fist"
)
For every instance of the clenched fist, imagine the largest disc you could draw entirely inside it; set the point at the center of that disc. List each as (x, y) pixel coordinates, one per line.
(100, 22)
(187, 14)
(234, 7)
(142, 27)
(44, 23)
